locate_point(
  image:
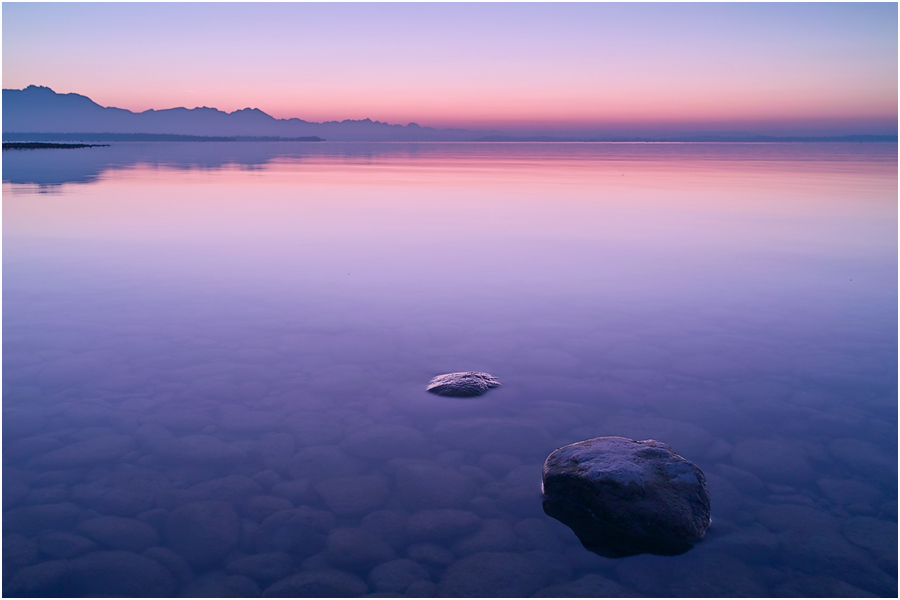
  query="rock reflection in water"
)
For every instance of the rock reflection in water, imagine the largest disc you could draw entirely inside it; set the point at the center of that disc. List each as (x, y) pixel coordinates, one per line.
(605, 540)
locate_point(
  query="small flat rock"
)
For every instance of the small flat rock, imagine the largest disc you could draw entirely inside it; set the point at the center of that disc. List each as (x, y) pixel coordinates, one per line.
(203, 532)
(465, 384)
(329, 583)
(120, 533)
(624, 497)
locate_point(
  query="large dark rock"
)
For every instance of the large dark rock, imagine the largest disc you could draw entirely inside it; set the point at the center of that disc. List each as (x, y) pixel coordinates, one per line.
(462, 385)
(624, 497)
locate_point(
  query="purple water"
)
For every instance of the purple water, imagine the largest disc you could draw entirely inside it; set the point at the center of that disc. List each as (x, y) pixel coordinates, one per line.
(215, 359)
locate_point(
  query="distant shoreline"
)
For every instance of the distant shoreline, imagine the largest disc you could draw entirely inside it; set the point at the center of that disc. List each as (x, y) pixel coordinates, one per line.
(45, 145)
(86, 138)
(144, 137)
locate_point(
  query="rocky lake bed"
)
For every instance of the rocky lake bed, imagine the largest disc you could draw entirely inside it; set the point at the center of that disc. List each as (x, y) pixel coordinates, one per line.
(278, 494)
(215, 366)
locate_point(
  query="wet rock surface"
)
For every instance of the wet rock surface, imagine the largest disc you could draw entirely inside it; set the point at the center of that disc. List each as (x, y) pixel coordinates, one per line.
(464, 384)
(625, 497)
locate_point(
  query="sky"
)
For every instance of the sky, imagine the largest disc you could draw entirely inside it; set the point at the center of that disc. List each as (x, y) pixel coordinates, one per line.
(788, 69)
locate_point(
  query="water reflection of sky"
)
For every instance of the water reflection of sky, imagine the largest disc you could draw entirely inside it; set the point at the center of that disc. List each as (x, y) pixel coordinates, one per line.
(736, 301)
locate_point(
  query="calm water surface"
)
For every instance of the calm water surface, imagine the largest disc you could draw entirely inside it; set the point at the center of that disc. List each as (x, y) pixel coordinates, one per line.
(215, 359)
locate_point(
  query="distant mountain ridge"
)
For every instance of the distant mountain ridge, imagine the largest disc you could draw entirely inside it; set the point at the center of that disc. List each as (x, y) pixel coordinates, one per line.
(40, 110)
(36, 113)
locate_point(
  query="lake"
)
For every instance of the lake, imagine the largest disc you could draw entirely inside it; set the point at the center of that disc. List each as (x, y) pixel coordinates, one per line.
(215, 358)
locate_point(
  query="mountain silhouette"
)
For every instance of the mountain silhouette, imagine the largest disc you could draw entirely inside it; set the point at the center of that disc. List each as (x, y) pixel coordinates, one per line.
(36, 112)
(38, 109)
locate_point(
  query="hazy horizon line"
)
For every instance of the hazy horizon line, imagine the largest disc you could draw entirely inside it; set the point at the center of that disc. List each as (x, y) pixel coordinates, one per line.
(550, 130)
